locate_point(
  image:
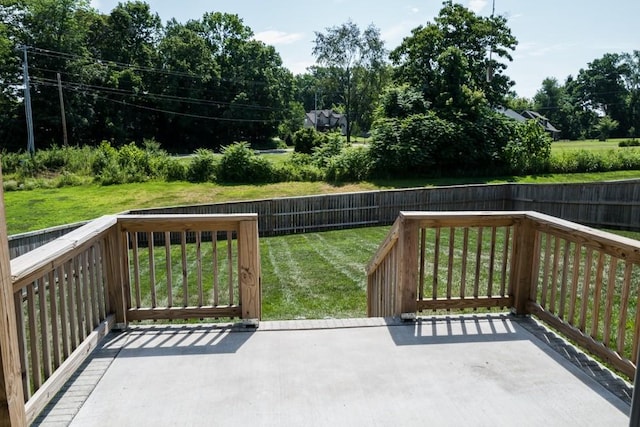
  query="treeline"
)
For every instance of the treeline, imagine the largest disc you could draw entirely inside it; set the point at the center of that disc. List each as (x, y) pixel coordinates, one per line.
(429, 104)
(601, 101)
(125, 77)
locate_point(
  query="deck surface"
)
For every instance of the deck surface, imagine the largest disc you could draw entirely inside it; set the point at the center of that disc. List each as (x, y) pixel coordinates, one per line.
(470, 370)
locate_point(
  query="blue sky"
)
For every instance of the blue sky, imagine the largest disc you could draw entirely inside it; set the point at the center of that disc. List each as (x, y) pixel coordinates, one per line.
(556, 38)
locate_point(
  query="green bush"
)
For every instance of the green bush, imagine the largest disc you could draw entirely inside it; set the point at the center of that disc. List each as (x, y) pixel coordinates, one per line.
(529, 151)
(331, 145)
(629, 143)
(414, 146)
(202, 167)
(298, 167)
(239, 163)
(174, 170)
(589, 161)
(305, 140)
(353, 164)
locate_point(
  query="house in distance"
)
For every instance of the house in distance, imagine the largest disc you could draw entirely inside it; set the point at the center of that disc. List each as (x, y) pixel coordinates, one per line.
(326, 120)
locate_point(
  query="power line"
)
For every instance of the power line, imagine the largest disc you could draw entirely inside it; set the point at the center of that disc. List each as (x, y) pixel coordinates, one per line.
(177, 113)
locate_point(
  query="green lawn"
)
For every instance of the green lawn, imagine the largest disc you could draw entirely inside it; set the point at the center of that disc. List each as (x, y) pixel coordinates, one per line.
(588, 144)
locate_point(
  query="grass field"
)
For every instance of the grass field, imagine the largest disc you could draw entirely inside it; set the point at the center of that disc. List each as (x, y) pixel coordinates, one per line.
(589, 144)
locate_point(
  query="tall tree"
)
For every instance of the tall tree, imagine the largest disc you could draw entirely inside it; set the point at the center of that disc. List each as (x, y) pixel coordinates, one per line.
(344, 50)
(602, 88)
(459, 54)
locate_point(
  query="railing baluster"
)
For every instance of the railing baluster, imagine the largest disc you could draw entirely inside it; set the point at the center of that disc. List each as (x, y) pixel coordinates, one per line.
(230, 265)
(465, 252)
(586, 285)
(608, 308)
(45, 324)
(492, 257)
(476, 282)
(199, 268)
(554, 276)
(624, 303)
(53, 310)
(595, 321)
(452, 238)
(64, 319)
(169, 273)
(436, 264)
(86, 293)
(423, 245)
(185, 274)
(152, 270)
(103, 300)
(575, 276)
(505, 260)
(133, 237)
(216, 271)
(94, 283)
(73, 327)
(79, 299)
(22, 344)
(563, 280)
(546, 272)
(34, 344)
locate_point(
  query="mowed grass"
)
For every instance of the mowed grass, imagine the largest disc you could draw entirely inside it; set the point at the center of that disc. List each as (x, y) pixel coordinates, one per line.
(589, 145)
(317, 275)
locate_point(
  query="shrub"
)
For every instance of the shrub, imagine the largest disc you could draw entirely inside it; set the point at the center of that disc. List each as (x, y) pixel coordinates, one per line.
(239, 163)
(332, 145)
(175, 170)
(529, 151)
(298, 167)
(419, 144)
(202, 167)
(351, 165)
(305, 140)
(629, 143)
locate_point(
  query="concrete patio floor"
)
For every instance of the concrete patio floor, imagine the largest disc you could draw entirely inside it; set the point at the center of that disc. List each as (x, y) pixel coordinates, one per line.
(439, 371)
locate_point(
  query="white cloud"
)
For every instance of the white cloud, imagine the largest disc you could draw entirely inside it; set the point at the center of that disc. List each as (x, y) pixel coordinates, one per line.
(274, 37)
(298, 67)
(415, 10)
(477, 5)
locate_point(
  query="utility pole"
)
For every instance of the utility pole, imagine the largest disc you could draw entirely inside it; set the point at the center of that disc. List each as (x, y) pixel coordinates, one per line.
(31, 148)
(65, 142)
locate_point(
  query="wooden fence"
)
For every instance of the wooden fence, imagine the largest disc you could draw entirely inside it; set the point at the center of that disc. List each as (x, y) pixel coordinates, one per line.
(608, 204)
(583, 282)
(70, 292)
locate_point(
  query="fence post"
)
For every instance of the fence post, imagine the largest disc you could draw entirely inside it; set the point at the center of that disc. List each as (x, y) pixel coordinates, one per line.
(115, 275)
(522, 274)
(249, 271)
(12, 411)
(408, 268)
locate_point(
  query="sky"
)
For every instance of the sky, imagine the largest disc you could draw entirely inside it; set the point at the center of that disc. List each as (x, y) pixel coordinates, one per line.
(556, 38)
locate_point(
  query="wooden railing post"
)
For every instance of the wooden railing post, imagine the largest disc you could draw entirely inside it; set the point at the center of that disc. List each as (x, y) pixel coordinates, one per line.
(408, 268)
(12, 411)
(523, 256)
(116, 276)
(249, 271)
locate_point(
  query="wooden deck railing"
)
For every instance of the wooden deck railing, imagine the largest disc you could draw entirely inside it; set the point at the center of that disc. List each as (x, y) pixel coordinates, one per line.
(581, 281)
(191, 266)
(117, 269)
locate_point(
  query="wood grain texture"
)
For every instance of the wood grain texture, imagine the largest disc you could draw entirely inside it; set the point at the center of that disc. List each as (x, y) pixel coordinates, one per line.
(12, 412)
